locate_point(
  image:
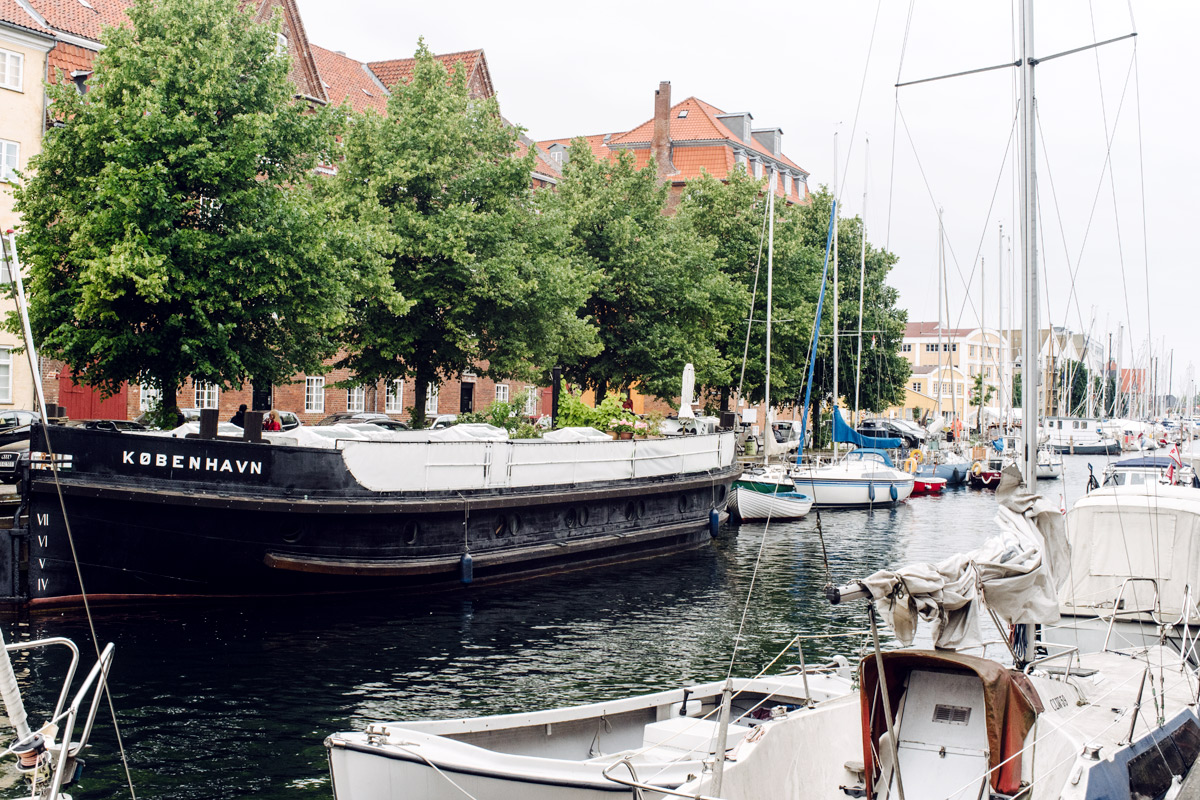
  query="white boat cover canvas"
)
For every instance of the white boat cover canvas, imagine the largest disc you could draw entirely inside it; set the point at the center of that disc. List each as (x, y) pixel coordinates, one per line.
(576, 435)
(1017, 572)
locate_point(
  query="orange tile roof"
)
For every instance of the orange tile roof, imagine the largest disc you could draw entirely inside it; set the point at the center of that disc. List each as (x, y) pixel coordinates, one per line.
(13, 14)
(401, 69)
(597, 142)
(67, 58)
(700, 123)
(346, 80)
(72, 16)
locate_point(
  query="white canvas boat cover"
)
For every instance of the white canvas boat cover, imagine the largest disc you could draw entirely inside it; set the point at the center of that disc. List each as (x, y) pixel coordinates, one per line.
(576, 435)
(1017, 572)
(469, 432)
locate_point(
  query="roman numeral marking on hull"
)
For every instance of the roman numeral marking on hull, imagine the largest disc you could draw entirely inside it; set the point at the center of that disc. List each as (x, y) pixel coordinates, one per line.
(43, 541)
(43, 519)
(43, 584)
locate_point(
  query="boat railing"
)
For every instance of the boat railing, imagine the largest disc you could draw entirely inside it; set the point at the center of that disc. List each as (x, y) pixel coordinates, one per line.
(66, 715)
(633, 783)
(1069, 652)
(1118, 611)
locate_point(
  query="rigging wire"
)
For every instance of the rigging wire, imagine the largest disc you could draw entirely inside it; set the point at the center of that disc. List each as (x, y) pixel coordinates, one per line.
(12, 266)
(887, 241)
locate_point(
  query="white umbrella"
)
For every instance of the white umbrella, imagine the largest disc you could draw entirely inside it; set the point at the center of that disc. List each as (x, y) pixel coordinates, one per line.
(685, 396)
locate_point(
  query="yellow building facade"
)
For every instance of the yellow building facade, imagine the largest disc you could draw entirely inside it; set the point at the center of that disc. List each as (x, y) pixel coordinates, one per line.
(23, 53)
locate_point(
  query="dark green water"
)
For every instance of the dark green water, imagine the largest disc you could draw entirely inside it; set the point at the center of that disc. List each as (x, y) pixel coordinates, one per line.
(235, 701)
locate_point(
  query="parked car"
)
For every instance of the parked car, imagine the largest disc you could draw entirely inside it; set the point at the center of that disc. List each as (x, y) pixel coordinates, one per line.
(287, 419)
(108, 424)
(916, 428)
(887, 428)
(444, 420)
(371, 417)
(14, 425)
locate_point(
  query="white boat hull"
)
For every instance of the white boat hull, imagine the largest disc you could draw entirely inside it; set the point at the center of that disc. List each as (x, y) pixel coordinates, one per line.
(753, 505)
(832, 490)
(561, 754)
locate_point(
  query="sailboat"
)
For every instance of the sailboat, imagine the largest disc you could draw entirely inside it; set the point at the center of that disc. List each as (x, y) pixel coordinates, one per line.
(767, 492)
(866, 476)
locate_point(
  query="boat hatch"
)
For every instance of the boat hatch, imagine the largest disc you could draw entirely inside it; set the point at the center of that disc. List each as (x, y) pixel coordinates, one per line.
(958, 720)
(942, 736)
(686, 737)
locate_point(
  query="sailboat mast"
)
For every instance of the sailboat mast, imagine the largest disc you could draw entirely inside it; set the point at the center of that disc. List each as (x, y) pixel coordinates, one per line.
(1029, 349)
(836, 194)
(769, 431)
(1001, 353)
(938, 378)
(862, 279)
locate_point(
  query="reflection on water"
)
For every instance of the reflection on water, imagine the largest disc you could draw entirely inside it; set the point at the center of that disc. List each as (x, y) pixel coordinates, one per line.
(235, 701)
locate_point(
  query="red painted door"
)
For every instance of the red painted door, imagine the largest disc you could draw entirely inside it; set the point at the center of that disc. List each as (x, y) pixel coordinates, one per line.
(83, 402)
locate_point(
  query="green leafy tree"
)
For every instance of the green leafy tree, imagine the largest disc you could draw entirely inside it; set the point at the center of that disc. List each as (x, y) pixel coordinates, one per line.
(731, 217)
(169, 226)
(981, 395)
(660, 301)
(884, 371)
(477, 279)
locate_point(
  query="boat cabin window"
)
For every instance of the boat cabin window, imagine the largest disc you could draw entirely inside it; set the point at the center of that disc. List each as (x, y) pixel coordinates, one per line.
(860, 455)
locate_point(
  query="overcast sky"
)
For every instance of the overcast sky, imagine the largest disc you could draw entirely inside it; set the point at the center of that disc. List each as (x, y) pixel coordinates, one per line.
(571, 69)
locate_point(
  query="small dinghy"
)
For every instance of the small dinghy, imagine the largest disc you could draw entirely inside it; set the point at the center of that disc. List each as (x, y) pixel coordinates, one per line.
(750, 504)
(584, 752)
(928, 485)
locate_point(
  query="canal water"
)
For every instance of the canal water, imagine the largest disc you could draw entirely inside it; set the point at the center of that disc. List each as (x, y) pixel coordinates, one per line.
(235, 700)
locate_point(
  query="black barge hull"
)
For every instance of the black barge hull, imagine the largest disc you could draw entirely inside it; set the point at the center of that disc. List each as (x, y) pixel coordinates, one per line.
(160, 517)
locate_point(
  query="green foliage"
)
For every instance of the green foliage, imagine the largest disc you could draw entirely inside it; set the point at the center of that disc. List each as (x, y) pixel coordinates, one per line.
(730, 218)
(509, 415)
(981, 395)
(475, 274)
(884, 371)
(659, 301)
(169, 226)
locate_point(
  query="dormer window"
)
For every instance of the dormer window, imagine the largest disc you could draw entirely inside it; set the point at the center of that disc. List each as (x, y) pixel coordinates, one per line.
(79, 78)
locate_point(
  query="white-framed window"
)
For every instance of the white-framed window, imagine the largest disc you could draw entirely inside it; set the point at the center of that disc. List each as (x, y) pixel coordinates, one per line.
(208, 395)
(531, 401)
(958, 389)
(148, 397)
(916, 386)
(9, 152)
(356, 398)
(314, 394)
(501, 392)
(393, 402)
(431, 398)
(937, 387)
(906, 348)
(11, 69)
(5, 375)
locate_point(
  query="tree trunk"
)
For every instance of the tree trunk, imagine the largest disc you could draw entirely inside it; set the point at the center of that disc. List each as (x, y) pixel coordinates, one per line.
(420, 389)
(724, 399)
(168, 413)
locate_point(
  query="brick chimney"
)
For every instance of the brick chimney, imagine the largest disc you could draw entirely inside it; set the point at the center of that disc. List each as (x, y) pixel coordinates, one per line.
(660, 140)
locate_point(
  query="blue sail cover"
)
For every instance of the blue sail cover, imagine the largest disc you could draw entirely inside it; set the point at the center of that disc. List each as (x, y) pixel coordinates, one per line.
(842, 432)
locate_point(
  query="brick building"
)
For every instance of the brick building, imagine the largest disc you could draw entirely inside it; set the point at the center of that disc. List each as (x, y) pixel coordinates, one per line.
(693, 137)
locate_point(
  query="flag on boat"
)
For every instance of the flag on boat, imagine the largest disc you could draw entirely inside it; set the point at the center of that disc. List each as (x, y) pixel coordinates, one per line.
(1017, 573)
(1176, 463)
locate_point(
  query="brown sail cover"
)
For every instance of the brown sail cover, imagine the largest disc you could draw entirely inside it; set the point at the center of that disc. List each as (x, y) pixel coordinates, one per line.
(1011, 704)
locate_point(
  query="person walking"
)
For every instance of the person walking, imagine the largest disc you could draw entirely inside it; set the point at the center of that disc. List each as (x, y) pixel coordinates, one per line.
(239, 418)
